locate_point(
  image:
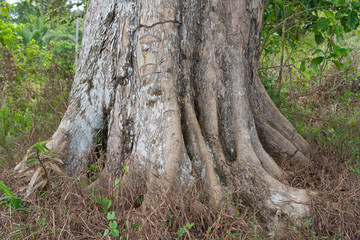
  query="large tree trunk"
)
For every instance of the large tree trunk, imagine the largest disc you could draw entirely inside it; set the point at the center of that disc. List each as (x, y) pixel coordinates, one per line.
(174, 87)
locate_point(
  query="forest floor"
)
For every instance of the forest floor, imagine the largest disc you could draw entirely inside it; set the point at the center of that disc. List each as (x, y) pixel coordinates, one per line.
(93, 206)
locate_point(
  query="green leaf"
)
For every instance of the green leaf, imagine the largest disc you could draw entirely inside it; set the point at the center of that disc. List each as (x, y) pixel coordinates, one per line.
(307, 222)
(302, 66)
(189, 225)
(318, 51)
(117, 181)
(334, 55)
(6, 190)
(39, 147)
(5, 197)
(349, 94)
(353, 20)
(113, 224)
(110, 216)
(115, 232)
(340, 35)
(106, 204)
(319, 38)
(48, 151)
(292, 60)
(15, 203)
(316, 62)
(302, 51)
(338, 64)
(106, 232)
(32, 160)
(126, 168)
(292, 45)
(343, 51)
(341, 39)
(134, 225)
(340, 2)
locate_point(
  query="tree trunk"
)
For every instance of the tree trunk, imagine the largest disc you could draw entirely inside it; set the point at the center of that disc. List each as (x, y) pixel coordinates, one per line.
(173, 86)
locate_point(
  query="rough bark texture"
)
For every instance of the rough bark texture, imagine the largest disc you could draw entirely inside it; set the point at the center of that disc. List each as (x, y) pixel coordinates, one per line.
(174, 87)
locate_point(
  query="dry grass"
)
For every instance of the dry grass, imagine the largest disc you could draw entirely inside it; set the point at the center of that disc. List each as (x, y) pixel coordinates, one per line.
(68, 209)
(336, 210)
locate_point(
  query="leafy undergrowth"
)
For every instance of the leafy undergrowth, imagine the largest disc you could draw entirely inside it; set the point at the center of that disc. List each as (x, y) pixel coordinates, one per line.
(327, 115)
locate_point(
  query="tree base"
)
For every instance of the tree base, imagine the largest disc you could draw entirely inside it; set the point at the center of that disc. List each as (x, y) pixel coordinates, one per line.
(177, 97)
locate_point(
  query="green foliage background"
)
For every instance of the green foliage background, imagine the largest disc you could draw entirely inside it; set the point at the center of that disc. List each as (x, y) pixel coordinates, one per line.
(37, 52)
(310, 67)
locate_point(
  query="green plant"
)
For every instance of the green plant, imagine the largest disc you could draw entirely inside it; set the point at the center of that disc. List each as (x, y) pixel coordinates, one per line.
(104, 202)
(93, 171)
(256, 233)
(184, 229)
(112, 224)
(37, 165)
(9, 198)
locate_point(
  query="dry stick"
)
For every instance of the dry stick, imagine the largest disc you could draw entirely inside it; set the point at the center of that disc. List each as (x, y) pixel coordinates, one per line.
(291, 85)
(282, 50)
(287, 65)
(295, 24)
(334, 87)
(62, 93)
(286, 19)
(63, 228)
(53, 221)
(86, 225)
(62, 69)
(323, 65)
(31, 91)
(42, 165)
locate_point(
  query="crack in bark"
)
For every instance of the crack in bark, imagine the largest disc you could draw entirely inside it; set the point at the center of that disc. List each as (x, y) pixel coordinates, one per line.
(158, 23)
(296, 151)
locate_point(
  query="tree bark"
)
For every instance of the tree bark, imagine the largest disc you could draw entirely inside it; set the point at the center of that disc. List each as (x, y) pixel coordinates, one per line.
(173, 87)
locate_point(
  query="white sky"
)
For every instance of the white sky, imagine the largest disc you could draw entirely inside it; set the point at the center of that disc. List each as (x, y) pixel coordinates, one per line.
(15, 1)
(12, 1)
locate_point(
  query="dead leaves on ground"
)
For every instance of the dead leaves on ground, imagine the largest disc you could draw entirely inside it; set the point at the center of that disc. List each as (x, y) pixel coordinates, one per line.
(38, 164)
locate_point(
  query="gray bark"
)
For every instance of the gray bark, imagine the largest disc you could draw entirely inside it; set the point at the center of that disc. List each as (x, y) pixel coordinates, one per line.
(174, 86)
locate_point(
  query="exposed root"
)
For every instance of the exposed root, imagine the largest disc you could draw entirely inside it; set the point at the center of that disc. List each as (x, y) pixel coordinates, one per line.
(268, 162)
(265, 111)
(201, 151)
(278, 146)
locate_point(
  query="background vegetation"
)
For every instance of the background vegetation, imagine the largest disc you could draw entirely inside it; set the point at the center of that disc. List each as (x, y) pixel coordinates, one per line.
(309, 66)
